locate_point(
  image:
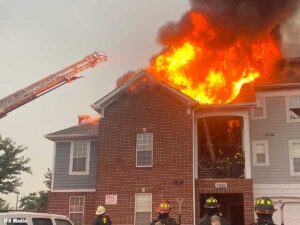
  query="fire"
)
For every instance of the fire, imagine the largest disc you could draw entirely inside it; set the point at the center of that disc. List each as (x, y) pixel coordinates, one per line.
(214, 74)
(88, 120)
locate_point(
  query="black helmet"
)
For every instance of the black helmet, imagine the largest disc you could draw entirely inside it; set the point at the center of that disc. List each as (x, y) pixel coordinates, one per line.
(211, 203)
(264, 205)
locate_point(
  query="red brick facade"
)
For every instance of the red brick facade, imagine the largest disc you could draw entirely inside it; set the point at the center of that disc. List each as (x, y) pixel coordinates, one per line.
(58, 203)
(153, 109)
(166, 117)
(234, 186)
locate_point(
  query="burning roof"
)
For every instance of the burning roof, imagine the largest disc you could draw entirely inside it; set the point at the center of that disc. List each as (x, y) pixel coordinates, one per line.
(219, 46)
(220, 50)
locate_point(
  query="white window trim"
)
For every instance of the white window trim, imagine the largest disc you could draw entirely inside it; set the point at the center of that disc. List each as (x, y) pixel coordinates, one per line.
(264, 108)
(142, 211)
(292, 170)
(264, 142)
(287, 105)
(87, 159)
(136, 155)
(77, 212)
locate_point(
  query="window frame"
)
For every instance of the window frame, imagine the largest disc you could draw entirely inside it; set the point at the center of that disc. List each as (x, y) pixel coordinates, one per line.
(135, 210)
(75, 196)
(291, 157)
(264, 109)
(58, 219)
(267, 160)
(136, 151)
(87, 162)
(287, 103)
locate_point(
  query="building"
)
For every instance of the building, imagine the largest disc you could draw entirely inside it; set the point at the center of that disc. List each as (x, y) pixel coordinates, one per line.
(156, 143)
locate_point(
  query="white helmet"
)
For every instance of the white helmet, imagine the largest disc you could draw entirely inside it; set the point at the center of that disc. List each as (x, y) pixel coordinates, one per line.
(100, 210)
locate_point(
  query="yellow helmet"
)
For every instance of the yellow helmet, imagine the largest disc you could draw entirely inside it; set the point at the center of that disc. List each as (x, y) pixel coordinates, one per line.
(164, 207)
(264, 205)
(211, 203)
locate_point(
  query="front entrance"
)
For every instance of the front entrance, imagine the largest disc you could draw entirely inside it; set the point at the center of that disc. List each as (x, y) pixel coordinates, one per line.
(232, 206)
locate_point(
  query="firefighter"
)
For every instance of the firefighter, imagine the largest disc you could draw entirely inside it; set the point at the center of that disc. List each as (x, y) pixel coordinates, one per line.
(163, 215)
(102, 218)
(264, 209)
(212, 210)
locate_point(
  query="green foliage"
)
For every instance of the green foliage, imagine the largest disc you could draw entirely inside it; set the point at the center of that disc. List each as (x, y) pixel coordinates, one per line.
(3, 205)
(34, 201)
(37, 200)
(12, 164)
(48, 177)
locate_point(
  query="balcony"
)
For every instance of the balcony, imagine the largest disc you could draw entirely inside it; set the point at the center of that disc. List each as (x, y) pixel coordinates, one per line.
(222, 168)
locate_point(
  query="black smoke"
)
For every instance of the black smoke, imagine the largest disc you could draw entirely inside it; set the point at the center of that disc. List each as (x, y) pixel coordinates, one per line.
(249, 19)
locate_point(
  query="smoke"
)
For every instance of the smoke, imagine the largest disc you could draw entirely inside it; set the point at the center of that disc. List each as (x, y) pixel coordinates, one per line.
(290, 32)
(231, 19)
(123, 79)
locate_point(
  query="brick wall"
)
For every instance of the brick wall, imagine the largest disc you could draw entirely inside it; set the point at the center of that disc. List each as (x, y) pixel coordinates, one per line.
(58, 203)
(243, 186)
(161, 113)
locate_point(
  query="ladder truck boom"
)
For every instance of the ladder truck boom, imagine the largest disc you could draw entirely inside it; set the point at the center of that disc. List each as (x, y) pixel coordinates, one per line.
(49, 83)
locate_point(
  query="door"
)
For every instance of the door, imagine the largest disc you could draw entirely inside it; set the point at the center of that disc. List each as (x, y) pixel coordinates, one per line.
(236, 214)
(292, 214)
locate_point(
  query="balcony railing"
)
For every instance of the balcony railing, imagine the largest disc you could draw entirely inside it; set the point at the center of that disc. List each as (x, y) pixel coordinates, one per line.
(218, 169)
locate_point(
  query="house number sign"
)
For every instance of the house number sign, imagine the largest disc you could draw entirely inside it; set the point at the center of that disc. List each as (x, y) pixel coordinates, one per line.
(220, 185)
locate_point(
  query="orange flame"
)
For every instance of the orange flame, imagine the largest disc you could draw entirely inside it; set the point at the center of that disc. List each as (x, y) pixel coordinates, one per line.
(213, 75)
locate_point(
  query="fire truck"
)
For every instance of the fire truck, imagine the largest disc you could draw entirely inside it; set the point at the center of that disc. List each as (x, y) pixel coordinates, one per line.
(49, 83)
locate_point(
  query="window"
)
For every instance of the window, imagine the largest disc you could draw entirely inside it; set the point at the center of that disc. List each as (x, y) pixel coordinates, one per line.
(144, 149)
(295, 157)
(260, 153)
(259, 112)
(62, 222)
(41, 221)
(79, 158)
(294, 108)
(76, 209)
(143, 208)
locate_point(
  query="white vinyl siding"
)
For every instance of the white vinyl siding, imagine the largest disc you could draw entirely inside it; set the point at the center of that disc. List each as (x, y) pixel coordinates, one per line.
(293, 107)
(76, 209)
(144, 149)
(143, 208)
(259, 112)
(260, 153)
(294, 146)
(79, 158)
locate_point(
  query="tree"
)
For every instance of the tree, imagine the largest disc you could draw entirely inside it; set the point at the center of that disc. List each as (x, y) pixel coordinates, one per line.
(37, 200)
(3, 205)
(12, 164)
(48, 177)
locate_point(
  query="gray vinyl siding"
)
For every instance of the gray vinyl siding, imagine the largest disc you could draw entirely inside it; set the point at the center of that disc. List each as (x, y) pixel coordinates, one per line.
(62, 179)
(278, 171)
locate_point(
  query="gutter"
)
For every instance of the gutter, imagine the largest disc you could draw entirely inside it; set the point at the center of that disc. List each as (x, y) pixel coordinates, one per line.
(70, 136)
(277, 86)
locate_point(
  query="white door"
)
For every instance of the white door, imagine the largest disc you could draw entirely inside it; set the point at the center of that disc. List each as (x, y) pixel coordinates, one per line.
(291, 214)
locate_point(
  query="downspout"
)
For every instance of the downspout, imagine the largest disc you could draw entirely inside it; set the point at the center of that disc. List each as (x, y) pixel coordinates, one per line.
(194, 162)
(194, 189)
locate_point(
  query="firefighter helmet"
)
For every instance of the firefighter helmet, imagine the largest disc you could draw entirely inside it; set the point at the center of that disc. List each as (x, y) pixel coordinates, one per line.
(211, 203)
(100, 210)
(164, 207)
(264, 205)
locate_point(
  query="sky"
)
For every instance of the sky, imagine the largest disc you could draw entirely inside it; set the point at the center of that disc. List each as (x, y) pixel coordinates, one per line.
(38, 38)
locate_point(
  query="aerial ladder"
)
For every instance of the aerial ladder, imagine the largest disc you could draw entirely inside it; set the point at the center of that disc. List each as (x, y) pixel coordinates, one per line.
(49, 83)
